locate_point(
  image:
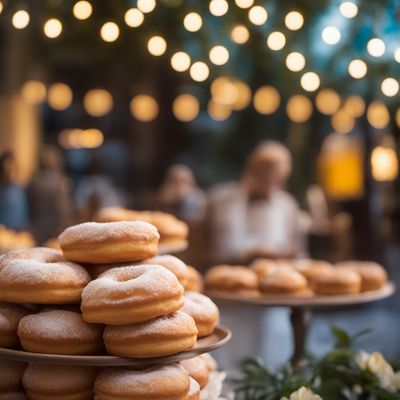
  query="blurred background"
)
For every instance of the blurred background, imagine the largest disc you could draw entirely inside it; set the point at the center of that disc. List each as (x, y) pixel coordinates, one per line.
(149, 104)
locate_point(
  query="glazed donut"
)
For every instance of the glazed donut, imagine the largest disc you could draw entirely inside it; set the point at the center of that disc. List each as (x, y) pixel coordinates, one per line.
(169, 382)
(310, 268)
(41, 276)
(284, 280)
(159, 337)
(263, 266)
(194, 390)
(107, 243)
(234, 279)
(197, 369)
(204, 312)
(59, 332)
(373, 275)
(132, 294)
(11, 379)
(194, 280)
(10, 315)
(337, 281)
(210, 362)
(61, 382)
(174, 264)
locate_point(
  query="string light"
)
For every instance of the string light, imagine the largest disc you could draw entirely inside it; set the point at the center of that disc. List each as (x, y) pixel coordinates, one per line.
(98, 102)
(109, 32)
(52, 28)
(33, 92)
(240, 34)
(144, 108)
(82, 10)
(192, 22)
(244, 3)
(331, 35)
(146, 6)
(355, 106)
(186, 107)
(243, 95)
(295, 61)
(327, 101)
(390, 87)
(224, 91)
(219, 55)
(397, 55)
(294, 20)
(378, 115)
(342, 122)
(276, 41)
(299, 108)
(199, 71)
(157, 46)
(266, 100)
(81, 139)
(218, 7)
(59, 96)
(376, 47)
(357, 69)
(134, 17)
(218, 112)
(180, 61)
(348, 9)
(20, 19)
(384, 164)
(258, 15)
(310, 81)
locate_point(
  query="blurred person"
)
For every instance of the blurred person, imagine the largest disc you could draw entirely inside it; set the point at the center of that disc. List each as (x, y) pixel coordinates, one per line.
(50, 196)
(255, 217)
(180, 195)
(13, 200)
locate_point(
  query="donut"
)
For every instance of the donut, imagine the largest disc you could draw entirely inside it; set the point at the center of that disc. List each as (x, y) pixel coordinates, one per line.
(233, 279)
(194, 390)
(197, 368)
(59, 332)
(174, 264)
(263, 266)
(204, 312)
(132, 294)
(107, 243)
(373, 275)
(40, 276)
(11, 379)
(337, 281)
(310, 268)
(194, 280)
(53, 243)
(162, 336)
(210, 362)
(61, 382)
(283, 280)
(168, 382)
(10, 315)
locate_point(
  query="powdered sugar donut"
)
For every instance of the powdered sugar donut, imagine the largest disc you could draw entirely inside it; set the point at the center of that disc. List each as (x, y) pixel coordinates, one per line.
(112, 242)
(169, 382)
(194, 391)
(197, 368)
(131, 294)
(204, 312)
(10, 315)
(40, 276)
(159, 337)
(61, 382)
(59, 332)
(194, 281)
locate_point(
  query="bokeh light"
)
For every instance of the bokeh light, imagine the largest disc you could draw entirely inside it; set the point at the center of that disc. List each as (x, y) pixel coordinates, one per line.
(390, 87)
(109, 32)
(331, 35)
(397, 54)
(397, 117)
(355, 106)
(219, 55)
(52, 28)
(378, 115)
(258, 15)
(192, 22)
(98, 102)
(266, 100)
(299, 108)
(240, 34)
(348, 9)
(327, 101)
(1, 7)
(276, 40)
(357, 69)
(199, 71)
(134, 17)
(59, 96)
(157, 46)
(342, 122)
(244, 3)
(310, 81)
(384, 164)
(295, 61)
(180, 61)
(218, 7)
(243, 98)
(20, 19)
(81, 139)
(33, 92)
(376, 47)
(224, 91)
(144, 108)
(294, 20)
(218, 112)
(146, 6)
(186, 107)
(82, 10)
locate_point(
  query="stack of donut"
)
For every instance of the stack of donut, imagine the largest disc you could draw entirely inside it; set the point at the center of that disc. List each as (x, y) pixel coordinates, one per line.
(302, 277)
(137, 307)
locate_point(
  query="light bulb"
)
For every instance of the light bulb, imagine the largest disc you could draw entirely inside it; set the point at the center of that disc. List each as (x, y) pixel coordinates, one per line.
(82, 10)
(357, 69)
(295, 61)
(134, 17)
(258, 15)
(52, 28)
(294, 20)
(109, 32)
(331, 35)
(199, 71)
(376, 47)
(218, 7)
(157, 46)
(219, 55)
(20, 19)
(180, 61)
(348, 9)
(276, 41)
(310, 81)
(390, 87)
(192, 22)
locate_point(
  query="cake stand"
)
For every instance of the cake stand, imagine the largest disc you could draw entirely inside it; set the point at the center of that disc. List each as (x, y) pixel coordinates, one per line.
(302, 306)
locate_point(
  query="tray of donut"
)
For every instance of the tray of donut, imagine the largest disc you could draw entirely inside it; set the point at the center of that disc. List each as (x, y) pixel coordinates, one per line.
(299, 282)
(106, 317)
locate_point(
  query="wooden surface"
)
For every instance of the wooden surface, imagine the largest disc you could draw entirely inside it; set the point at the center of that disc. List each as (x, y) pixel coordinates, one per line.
(220, 337)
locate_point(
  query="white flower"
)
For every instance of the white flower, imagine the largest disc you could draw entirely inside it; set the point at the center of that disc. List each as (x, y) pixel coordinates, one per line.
(303, 394)
(361, 359)
(213, 389)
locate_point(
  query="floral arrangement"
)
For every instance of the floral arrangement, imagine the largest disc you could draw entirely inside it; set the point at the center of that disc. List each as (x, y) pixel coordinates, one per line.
(341, 374)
